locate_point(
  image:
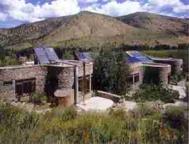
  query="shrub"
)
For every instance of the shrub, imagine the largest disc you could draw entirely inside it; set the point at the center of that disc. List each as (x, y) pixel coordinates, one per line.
(64, 126)
(118, 113)
(110, 72)
(176, 78)
(65, 114)
(155, 92)
(16, 125)
(174, 116)
(37, 98)
(143, 110)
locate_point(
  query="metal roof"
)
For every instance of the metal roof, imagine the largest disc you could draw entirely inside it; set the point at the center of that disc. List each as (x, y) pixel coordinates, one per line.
(46, 55)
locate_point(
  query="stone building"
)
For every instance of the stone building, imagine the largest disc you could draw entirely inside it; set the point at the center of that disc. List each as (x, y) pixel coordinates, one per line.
(136, 74)
(176, 64)
(144, 69)
(48, 75)
(70, 80)
(136, 70)
(155, 70)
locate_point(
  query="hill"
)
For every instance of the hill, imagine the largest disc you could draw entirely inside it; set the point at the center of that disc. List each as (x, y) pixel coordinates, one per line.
(157, 23)
(89, 30)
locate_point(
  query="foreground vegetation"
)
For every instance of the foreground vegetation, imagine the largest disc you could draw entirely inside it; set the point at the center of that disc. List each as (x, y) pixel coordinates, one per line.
(7, 57)
(154, 93)
(110, 72)
(142, 126)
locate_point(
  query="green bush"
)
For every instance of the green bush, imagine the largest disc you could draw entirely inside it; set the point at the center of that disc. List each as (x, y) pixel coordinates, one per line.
(176, 78)
(37, 98)
(8, 57)
(174, 116)
(15, 124)
(66, 126)
(118, 113)
(143, 110)
(155, 92)
(110, 72)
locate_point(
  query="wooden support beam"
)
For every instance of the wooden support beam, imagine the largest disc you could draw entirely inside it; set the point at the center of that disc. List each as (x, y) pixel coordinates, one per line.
(75, 84)
(84, 81)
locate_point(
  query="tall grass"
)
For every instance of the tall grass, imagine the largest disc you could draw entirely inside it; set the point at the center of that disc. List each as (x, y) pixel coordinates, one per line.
(68, 127)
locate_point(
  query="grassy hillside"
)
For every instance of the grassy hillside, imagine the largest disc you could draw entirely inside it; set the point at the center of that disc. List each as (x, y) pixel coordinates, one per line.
(157, 23)
(88, 29)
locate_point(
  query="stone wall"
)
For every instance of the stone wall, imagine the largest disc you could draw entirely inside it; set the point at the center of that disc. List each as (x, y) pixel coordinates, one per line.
(65, 74)
(164, 75)
(157, 73)
(115, 98)
(137, 68)
(7, 91)
(88, 69)
(21, 72)
(48, 78)
(176, 64)
(65, 77)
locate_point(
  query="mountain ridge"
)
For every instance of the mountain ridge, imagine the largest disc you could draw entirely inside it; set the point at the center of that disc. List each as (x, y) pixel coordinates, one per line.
(87, 28)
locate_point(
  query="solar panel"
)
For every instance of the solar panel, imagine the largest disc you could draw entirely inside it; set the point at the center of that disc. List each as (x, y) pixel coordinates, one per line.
(46, 55)
(85, 56)
(41, 56)
(52, 57)
(132, 60)
(81, 56)
(135, 55)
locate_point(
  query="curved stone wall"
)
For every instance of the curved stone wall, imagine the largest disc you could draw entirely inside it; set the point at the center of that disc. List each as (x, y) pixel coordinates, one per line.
(164, 73)
(66, 77)
(176, 64)
(159, 72)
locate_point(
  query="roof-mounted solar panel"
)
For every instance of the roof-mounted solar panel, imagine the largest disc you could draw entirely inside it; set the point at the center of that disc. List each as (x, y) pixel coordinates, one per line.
(41, 56)
(51, 55)
(84, 56)
(137, 56)
(46, 55)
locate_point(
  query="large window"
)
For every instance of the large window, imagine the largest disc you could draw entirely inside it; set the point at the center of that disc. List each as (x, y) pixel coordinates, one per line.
(136, 77)
(7, 83)
(130, 79)
(84, 85)
(25, 86)
(133, 78)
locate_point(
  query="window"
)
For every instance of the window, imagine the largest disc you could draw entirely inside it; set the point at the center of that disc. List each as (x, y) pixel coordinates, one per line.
(130, 79)
(86, 85)
(7, 83)
(136, 77)
(26, 86)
